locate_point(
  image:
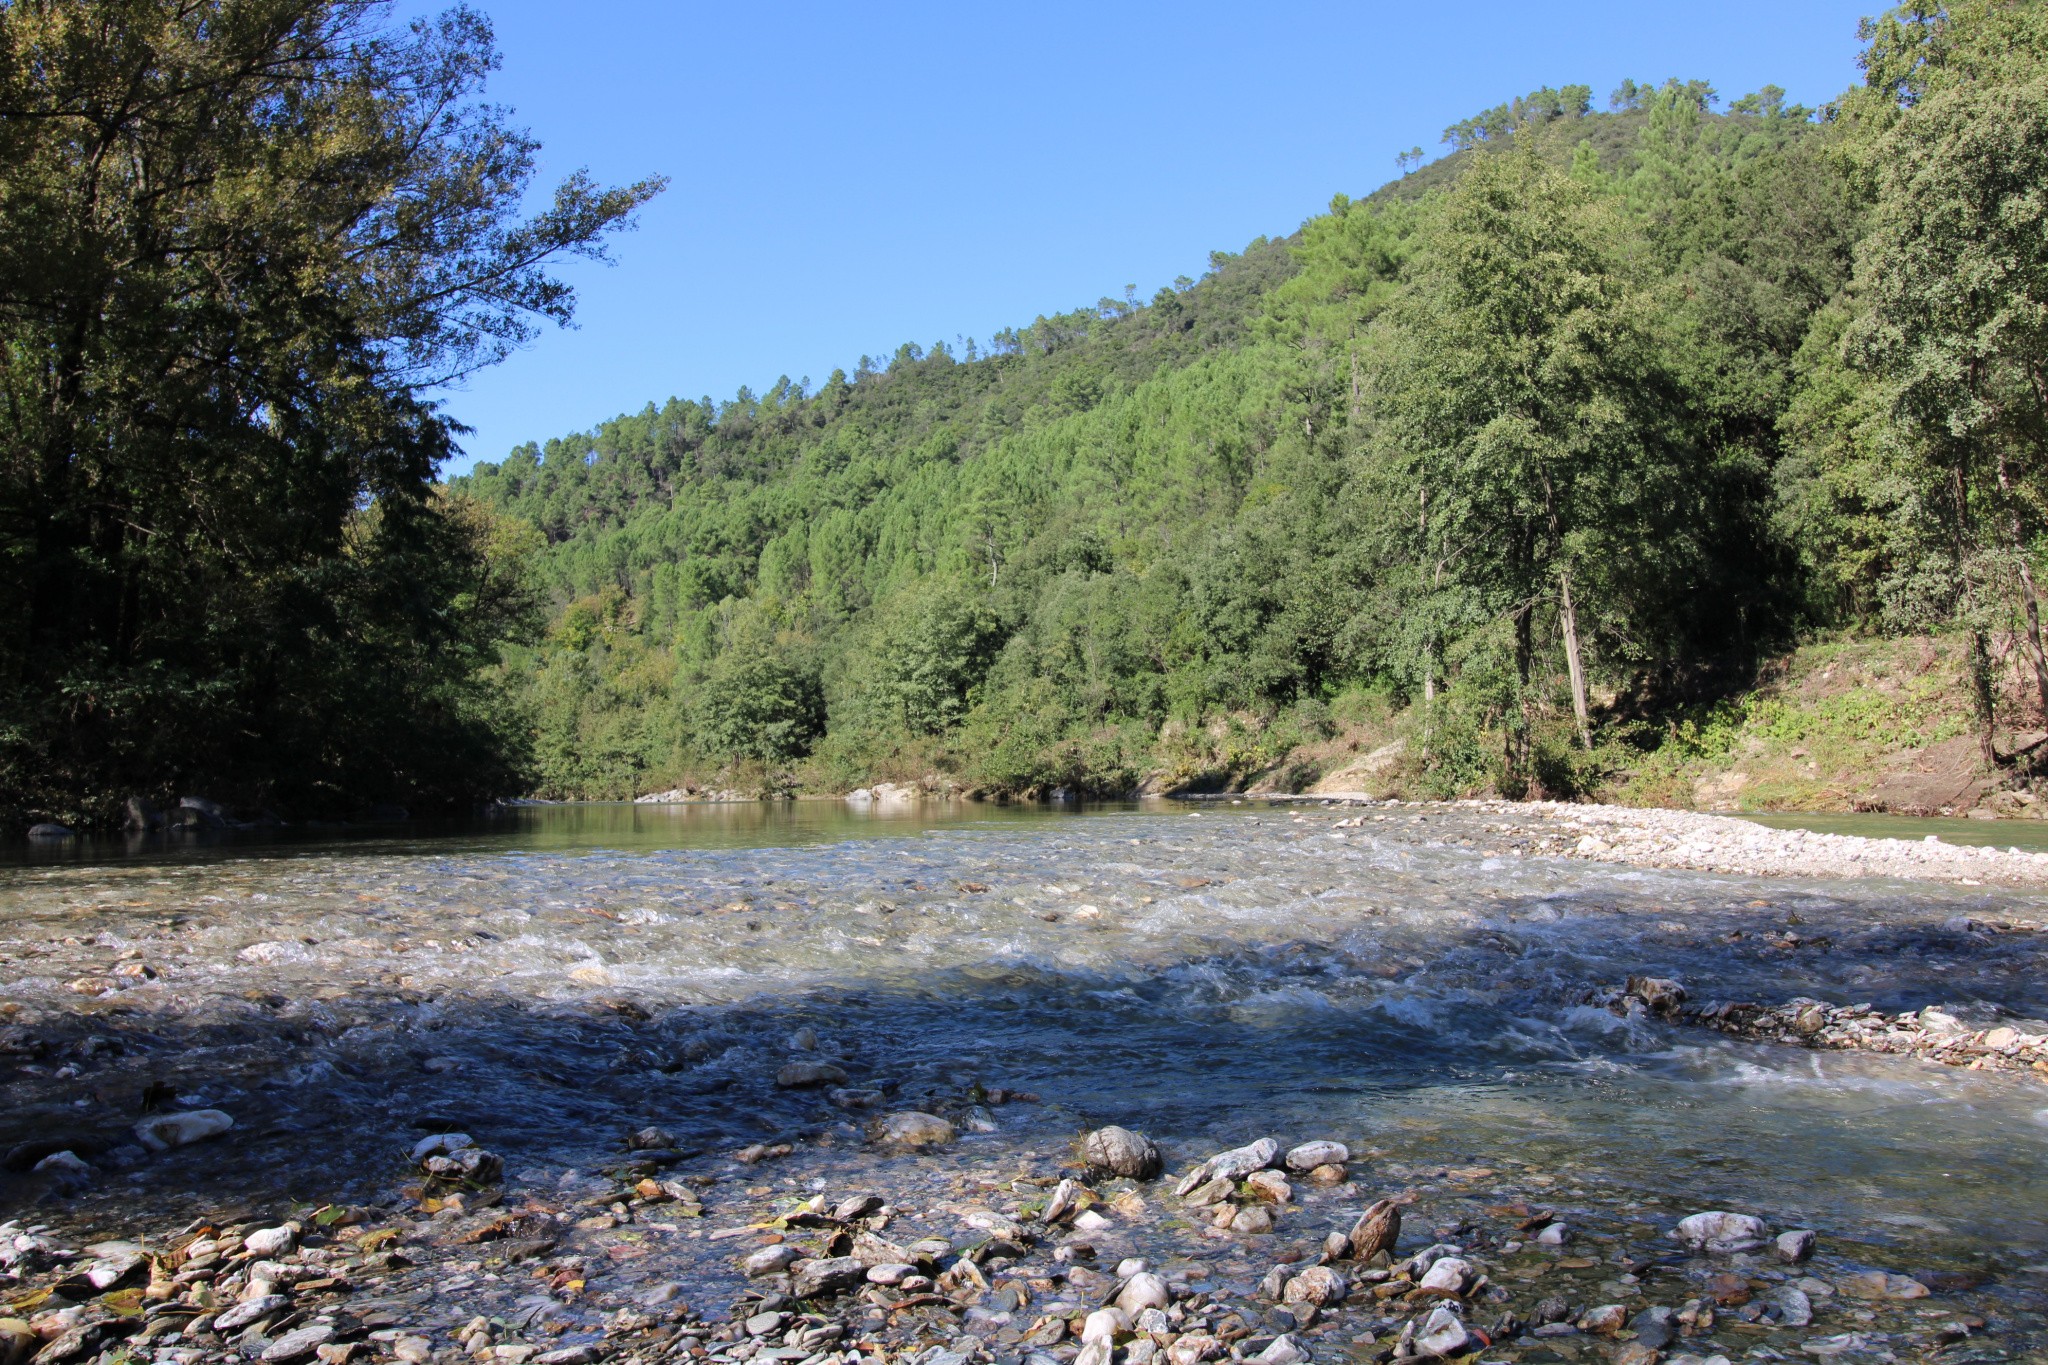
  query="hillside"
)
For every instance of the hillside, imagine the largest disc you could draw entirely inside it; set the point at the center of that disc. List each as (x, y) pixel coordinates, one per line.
(1532, 456)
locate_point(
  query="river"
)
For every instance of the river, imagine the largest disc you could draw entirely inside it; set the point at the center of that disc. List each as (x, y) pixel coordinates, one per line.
(564, 976)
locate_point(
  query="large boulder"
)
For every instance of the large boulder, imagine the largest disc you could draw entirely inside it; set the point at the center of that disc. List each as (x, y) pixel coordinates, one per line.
(1120, 1151)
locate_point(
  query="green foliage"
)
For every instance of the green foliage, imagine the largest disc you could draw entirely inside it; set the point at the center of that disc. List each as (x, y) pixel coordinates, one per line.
(241, 242)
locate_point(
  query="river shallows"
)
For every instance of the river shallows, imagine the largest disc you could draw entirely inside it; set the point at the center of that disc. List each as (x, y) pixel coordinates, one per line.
(1206, 976)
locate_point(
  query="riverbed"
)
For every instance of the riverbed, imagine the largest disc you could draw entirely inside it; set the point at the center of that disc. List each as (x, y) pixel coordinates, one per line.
(1409, 987)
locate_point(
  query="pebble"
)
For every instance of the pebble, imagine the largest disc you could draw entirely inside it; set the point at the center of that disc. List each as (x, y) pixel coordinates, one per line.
(1442, 1333)
(162, 1132)
(1310, 1155)
(1605, 1320)
(769, 1260)
(1143, 1290)
(1795, 1246)
(271, 1241)
(1318, 1284)
(298, 1344)
(913, 1128)
(1449, 1274)
(1722, 1233)
(1376, 1230)
(1103, 1324)
(1270, 1186)
(798, 1075)
(1120, 1151)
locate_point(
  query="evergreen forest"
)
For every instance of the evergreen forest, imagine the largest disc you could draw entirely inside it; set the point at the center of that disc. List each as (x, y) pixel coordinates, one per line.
(1532, 456)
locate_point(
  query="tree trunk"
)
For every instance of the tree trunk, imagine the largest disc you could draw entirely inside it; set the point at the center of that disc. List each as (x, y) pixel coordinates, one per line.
(1568, 617)
(1984, 696)
(2029, 597)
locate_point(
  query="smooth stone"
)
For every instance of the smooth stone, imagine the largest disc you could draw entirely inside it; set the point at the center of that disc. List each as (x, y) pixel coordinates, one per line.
(769, 1260)
(1104, 1324)
(1143, 1290)
(1789, 1306)
(1192, 1348)
(1655, 1328)
(162, 1132)
(1253, 1220)
(912, 1128)
(1318, 1284)
(441, 1144)
(271, 1241)
(298, 1343)
(1554, 1235)
(1214, 1192)
(1132, 1265)
(1310, 1155)
(1448, 1274)
(761, 1324)
(1720, 1232)
(1270, 1186)
(1442, 1333)
(894, 1272)
(828, 1276)
(797, 1075)
(49, 829)
(1376, 1230)
(1239, 1162)
(1282, 1351)
(1795, 1246)
(1605, 1320)
(242, 1314)
(1122, 1152)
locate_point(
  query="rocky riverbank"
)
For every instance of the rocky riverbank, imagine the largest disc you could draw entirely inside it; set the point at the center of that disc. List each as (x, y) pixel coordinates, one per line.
(1700, 842)
(1265, 1253)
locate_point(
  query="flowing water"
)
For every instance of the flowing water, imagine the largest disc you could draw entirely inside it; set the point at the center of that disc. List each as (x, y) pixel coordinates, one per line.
(559, 979)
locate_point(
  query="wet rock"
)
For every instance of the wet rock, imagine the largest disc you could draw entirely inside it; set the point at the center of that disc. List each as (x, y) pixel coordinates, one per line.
(763, 1324)
(298, 1344)
(1270, 1186)
(413, 1350)
(1282, 1351)
(1877, 1284)
(271, 1241)
(69, 1169)
(1192, 1348)
(1328, 1175)
(1722, 1233)
(1310, 1155)
(18, 1341)
(1143, 1290)
(1121, 1152)
(109, 1272)
(891, 1272)
(1553, 1235)
(1104, 1324)
(769, 1260)
(650, 1139)
(1094, 1353)
(49, 829)
(1214, 1192)
(1440, 1334)
(800, 1075)
(1634, 1353)
(1447, 1275)
(1655, 1328)
(1551, 1310)
(1318, 1284)
(1605, 1320)
(832, 1275)
(912, 1128)
(1376, 1230)
(1253, 1220)
(137, 815)
(1788, 1306)
(1796, 1246)
(1066, 1198)
(1235, 1164)
(1661, 994)
(161, 1132)
(470, 1165)
(250, 1310)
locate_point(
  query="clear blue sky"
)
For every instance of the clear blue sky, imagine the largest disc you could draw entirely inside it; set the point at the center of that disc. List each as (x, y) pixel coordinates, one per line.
(848, 177)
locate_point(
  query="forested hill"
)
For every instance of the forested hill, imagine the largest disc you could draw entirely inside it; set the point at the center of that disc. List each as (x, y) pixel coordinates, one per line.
(1554, 434)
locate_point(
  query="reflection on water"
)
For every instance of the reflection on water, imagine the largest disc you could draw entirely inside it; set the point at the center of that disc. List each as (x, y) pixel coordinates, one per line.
(554, 982)
(2028, 835)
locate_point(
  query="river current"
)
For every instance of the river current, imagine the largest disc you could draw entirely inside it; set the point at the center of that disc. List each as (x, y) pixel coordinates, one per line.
(1207, 975)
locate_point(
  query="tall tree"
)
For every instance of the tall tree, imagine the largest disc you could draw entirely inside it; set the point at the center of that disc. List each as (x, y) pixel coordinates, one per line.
(1520, 396)
(240, 241)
